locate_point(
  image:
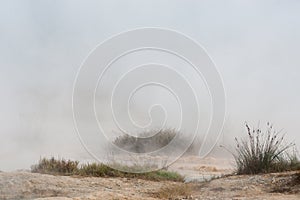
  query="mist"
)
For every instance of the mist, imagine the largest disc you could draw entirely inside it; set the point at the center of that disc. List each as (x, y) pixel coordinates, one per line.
(254, 45)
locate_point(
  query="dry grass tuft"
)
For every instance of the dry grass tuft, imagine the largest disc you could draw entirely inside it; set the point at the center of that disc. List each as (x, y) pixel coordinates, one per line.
(174, 192)
(56, 166)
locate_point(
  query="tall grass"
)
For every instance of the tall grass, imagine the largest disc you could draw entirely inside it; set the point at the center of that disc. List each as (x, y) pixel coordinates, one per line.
(264, 152)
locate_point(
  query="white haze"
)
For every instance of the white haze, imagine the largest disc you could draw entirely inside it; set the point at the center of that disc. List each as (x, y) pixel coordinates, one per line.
(254, 44)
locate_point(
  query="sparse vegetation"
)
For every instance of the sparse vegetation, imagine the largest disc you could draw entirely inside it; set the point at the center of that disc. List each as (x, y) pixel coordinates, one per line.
(264, 152)
(70, 168)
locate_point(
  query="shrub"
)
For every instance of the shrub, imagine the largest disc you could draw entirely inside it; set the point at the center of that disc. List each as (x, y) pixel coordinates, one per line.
(62, 167)
(264, 152)
(144, 144)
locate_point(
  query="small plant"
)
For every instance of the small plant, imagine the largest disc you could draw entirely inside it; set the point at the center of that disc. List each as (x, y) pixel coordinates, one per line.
(68, 168)
(264, 152)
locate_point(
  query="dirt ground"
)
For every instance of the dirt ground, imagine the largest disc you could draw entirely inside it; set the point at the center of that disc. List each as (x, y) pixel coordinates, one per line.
(26, 185)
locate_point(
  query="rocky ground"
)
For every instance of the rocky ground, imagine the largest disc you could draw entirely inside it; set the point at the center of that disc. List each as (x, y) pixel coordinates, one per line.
(26, 185)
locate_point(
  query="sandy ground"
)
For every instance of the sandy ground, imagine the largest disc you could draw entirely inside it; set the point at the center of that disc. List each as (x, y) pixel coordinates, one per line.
(197, 169)
(26, 185)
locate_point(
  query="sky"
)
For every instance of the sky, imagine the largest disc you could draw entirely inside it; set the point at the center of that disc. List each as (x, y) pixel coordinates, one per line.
(254, 45)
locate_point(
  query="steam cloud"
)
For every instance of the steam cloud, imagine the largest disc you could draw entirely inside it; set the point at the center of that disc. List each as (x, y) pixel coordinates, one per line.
(254, 45)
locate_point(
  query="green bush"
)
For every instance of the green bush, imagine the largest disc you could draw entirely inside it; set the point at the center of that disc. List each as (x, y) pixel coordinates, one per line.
(264, 152)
